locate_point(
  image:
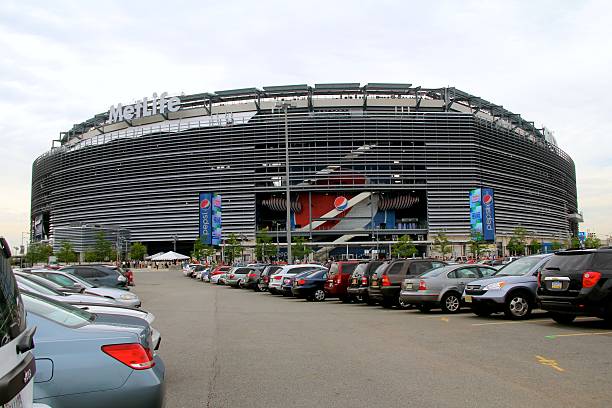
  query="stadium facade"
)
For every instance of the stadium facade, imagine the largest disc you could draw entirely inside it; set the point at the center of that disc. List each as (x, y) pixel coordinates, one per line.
(368, 163)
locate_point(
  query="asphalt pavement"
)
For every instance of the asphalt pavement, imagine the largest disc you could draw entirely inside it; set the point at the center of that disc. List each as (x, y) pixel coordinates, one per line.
(227, 347)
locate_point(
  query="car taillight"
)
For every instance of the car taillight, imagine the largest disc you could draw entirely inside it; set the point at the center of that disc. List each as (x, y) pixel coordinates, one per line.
(277, 277)
(266, 279)
(590, 279)
(422, 285)
(539, 279)
(301, 282)
(364, 280)
(133, 355)
(252, 275)
(386, 281)
(231, 276)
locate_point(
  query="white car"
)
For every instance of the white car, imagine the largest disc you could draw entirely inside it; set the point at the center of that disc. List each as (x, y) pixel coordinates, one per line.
(277, 278)
(123, 297)
(71, 298)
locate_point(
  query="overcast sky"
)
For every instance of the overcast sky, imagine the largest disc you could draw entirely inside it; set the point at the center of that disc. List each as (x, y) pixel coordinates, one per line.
(547, 60)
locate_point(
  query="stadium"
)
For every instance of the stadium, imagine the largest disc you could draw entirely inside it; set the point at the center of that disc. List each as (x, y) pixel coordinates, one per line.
(367, 164)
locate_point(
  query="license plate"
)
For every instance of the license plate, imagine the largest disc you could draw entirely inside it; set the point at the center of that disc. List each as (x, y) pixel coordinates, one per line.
(331, 284)
(408, 286)
(374, 284)
(14, 403)
(467, 299)
(556, 285)
(354, 281)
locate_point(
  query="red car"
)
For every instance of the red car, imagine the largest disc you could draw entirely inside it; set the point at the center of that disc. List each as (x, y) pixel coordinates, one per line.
(338, 279)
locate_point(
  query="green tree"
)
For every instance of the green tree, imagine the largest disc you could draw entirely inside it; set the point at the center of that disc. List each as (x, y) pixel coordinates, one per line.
(201, 251)
(39, 252)
(592, 243)
(574, 243)
(103, 248)
(442, 244)
(264, 248)
(556, 245)
(535, 246)
(517, 242)
(66, 253)
(233, 248)
(90, 256)
(404, 247)
(476, 245)
(138, 251)
(299, 249)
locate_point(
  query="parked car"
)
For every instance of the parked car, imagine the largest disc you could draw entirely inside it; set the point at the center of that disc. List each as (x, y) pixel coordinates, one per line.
(127, 272)
(68, 280)
(385, 284)
(252, 279)
(360, 280)
(17, 365)
(288, 280)
(73, 298)
(338, 279)
(197, 271)
(311, 286)
(99, 275)
(217, 275)
(276, 280)
(205, 274)
(577, 283)
(110, 363)
(188, 270)
(236, 276)
(264, 279)
(512, 290)
(442, 287)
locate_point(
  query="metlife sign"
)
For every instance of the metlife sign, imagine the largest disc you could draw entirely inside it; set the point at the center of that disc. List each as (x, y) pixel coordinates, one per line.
(144, 108)
(482, 213)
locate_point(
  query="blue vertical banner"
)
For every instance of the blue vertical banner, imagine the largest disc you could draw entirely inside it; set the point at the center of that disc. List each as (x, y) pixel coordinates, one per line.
(206, 218)
(217, 231)
(488, 214)
(476, 213)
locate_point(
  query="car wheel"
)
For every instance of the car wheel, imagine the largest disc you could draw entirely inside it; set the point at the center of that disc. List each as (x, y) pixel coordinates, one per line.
(451, 303)
(256, 287)
(518, 306)
(387, 303)
(562, 318)
(425, 308)
(319, 295)
(481, 311)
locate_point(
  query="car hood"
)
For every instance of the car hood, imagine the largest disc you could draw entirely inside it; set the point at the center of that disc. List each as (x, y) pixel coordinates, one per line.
(105, 291)
(84, 298)
(507, 279)
(118, 310)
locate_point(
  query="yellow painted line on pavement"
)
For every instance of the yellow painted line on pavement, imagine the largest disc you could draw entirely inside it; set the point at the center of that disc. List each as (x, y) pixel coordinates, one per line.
(444, 319)
(554, 336)
(550, 363)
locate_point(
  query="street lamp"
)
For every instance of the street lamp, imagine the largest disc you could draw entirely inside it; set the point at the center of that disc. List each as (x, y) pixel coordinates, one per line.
(284, 105)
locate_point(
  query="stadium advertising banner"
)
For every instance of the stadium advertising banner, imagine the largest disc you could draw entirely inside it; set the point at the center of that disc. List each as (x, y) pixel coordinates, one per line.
(216, 219)
(482, 214)
(206, 218)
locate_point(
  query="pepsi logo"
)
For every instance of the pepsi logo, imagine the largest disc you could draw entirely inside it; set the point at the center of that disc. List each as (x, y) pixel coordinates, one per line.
(341, 203)
(205, 203)
(487, 199)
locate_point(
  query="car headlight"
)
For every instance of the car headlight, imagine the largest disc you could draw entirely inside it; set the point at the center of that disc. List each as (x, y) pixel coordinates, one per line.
(127, 296)
(495, 286)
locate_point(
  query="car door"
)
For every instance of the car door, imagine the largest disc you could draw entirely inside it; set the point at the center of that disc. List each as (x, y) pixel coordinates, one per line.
(466, 275)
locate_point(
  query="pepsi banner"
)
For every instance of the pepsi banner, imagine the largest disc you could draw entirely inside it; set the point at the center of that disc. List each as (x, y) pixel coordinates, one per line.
(206, 218)
(488, 215)
(216, 220)
(482, 214)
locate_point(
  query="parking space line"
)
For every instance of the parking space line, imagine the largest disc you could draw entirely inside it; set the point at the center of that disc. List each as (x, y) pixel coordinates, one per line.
(554, 336)
(550, 363)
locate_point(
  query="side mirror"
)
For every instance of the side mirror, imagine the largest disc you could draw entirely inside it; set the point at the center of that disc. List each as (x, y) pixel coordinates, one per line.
(77, 285)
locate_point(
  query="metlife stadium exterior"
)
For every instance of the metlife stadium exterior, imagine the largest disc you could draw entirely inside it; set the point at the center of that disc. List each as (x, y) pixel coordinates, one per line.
(367, 164)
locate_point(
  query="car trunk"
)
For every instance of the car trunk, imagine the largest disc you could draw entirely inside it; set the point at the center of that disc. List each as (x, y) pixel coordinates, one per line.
(562, 276)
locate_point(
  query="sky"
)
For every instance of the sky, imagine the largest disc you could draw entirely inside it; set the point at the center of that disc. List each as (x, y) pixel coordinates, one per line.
(62, 62)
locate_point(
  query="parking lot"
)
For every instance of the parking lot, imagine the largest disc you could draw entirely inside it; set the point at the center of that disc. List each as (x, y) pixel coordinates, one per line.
(227, 347)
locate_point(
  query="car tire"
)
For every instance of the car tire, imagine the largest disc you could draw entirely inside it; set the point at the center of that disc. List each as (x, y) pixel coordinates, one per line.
(370, 302)
(402, 305)
(318, 295)
(563, 318)
(256, 287)
(518, 306)
(451, 303)
(481, 311)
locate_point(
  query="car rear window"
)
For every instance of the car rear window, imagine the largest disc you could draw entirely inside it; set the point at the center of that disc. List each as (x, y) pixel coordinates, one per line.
(63, 314)
(569, 261)
(432, 273)
(395, 268)
(349, 267)
(317, 274)
(360, 270)
(381, 268)
(11, 308)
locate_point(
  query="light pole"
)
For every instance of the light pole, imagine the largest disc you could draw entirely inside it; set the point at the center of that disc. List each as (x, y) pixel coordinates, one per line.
(285, 105)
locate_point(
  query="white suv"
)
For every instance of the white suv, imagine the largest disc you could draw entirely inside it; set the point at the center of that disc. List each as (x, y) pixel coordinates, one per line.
(276, 279)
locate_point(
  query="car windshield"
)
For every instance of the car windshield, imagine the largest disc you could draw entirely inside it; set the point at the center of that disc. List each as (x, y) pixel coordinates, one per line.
(61, 313)
(519, 267)
(432, 273)
(38, 287)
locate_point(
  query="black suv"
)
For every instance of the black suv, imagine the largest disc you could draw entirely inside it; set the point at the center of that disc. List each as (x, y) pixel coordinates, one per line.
(577, 282)
(385, 284)
(360, 280)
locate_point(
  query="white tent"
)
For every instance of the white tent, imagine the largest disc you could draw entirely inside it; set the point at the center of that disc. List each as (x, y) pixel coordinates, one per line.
(169, 256)
(150, 257)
